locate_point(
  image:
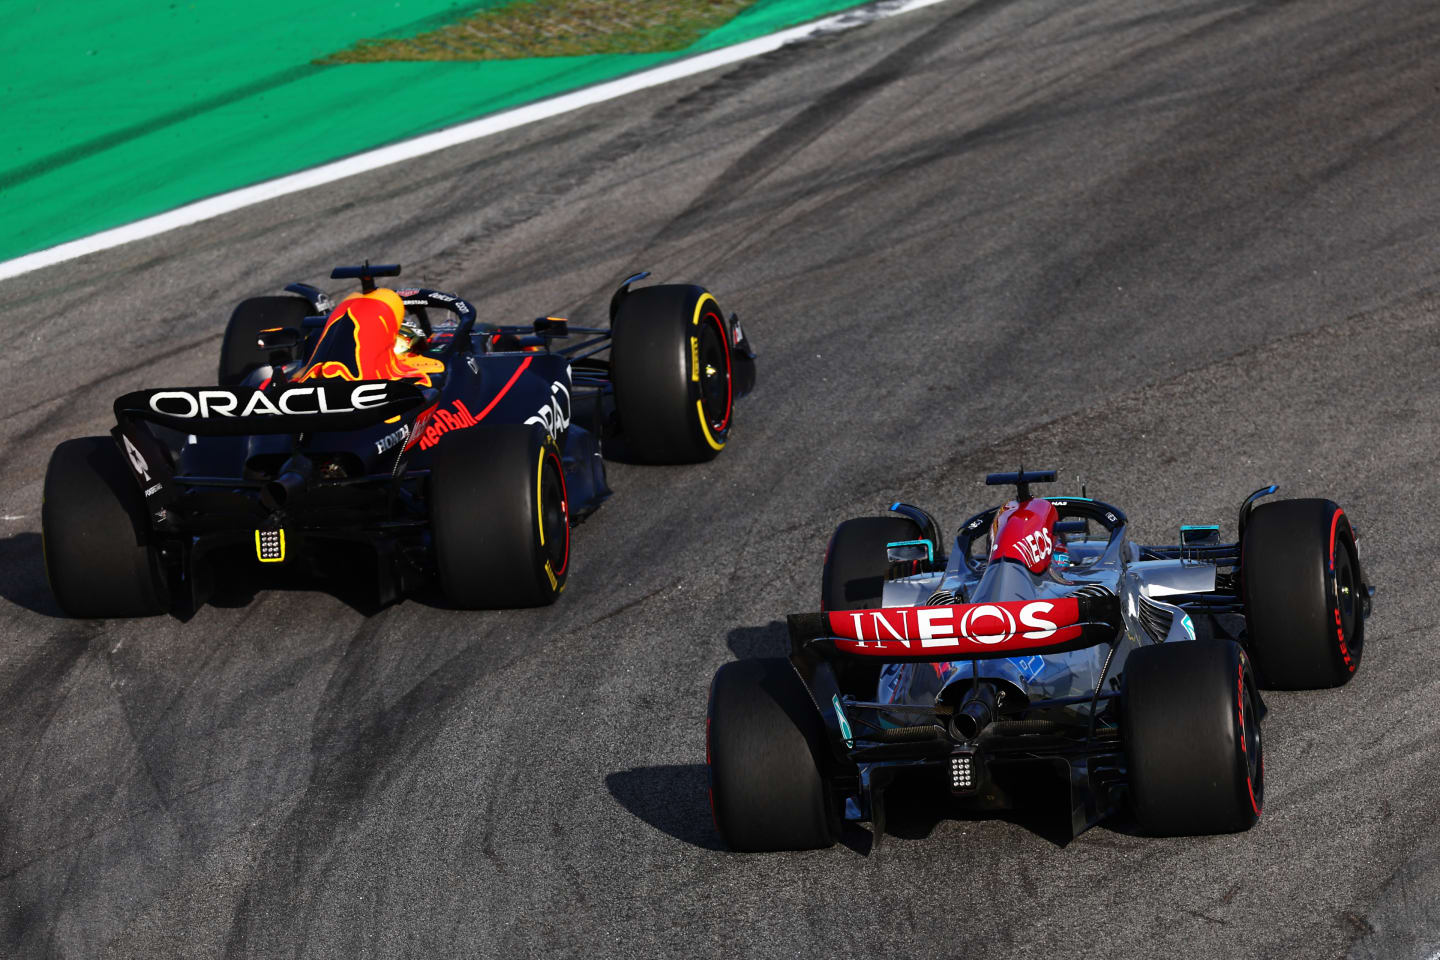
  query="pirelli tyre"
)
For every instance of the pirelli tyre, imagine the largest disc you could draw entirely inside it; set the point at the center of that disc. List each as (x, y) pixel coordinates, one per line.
(99, 556)
(499, 517)
(1302, 586)
(856, 561)
(1190, 720)
(240, 351)
(671, 365)
(763, 747)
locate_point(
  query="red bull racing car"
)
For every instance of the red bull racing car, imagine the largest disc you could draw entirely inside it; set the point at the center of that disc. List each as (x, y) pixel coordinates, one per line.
(393, 427)
(1059, 651)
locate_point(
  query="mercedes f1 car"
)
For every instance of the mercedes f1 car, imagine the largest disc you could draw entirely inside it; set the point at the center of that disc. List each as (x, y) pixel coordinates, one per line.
(394, 427)
(1058, 647)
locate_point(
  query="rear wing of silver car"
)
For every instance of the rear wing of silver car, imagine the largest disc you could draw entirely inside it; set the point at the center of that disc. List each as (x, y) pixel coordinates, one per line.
(962, 631)
(827, 646)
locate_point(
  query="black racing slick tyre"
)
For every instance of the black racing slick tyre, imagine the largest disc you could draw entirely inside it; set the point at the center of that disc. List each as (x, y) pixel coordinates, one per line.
(763, 744)
(1190, 719)
(240, 351)
(1303, 594)
(499, 517)
(856, 561)
(99, 558)
(671, 366)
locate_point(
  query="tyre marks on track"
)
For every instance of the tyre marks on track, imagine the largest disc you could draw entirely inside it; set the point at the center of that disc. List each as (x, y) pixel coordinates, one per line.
(363, 741)
(57, 415)
(777, 150)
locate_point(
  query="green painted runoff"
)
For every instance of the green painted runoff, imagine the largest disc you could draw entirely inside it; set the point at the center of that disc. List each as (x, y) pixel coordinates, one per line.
(119, 109)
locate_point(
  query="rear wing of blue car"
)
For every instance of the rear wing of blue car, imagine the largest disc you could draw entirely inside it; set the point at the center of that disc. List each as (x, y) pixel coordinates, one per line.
(293, 408)
(334, 405)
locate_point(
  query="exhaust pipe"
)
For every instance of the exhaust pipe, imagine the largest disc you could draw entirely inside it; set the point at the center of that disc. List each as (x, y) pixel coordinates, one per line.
(976, 711)
(292, 481)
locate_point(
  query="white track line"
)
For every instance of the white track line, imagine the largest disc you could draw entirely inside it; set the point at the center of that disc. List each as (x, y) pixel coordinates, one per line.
(463, 133)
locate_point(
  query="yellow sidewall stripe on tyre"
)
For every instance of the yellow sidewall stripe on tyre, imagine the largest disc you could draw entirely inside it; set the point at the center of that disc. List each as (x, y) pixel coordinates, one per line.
(540, 514)
(539, 503)
(695, 372)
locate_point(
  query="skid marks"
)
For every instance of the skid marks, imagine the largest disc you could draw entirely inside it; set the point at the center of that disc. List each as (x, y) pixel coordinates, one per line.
(364, 741)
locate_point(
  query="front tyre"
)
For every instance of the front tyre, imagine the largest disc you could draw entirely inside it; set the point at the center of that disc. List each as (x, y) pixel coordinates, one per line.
(99, 556)
(499, 517)
(1190, 719)
(763, 744)
(240, 351)
(857, 561)
(673, 373)
(1303, 594)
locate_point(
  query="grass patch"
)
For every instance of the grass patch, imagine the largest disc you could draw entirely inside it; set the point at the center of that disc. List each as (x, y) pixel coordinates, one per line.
(554, 28)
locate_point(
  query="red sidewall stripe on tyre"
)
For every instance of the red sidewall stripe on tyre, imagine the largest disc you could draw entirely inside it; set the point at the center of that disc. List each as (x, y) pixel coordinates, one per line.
(1244, 745)
(709, 770)
(1339, 623)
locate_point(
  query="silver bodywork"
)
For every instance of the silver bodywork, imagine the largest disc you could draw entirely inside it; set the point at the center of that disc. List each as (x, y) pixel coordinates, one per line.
(990, 729)
(1079, 565)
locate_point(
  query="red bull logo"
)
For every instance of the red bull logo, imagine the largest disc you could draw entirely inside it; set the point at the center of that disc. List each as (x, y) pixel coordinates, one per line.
(431, 426)
(443, 421)
(358, 343)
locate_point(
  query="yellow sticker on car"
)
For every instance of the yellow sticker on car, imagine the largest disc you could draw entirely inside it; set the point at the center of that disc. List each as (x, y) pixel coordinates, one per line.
(270, 546)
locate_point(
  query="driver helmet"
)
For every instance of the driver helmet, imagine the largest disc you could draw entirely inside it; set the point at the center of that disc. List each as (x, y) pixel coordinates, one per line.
(410, 336)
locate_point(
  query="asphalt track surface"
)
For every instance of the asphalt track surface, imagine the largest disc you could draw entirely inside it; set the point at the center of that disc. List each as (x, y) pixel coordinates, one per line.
(1180, 253)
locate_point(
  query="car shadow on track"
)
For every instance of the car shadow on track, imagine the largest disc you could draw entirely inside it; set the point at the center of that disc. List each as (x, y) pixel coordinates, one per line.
(672, 798)
(22, 575)
(238, 580)
(770, 640)
(915, 815)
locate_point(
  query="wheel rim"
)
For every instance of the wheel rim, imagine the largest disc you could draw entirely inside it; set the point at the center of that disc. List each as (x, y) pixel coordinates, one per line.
(715, 387)
(554, 514)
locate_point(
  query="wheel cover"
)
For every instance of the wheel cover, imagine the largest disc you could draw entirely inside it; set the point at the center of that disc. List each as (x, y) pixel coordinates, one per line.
(1252, 749)
(554, 509)
(1344, 598)
(716, 389)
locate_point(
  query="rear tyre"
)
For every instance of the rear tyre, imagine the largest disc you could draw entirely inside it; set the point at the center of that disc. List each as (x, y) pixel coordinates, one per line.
(499, 517)
(764, 741)
(99, 557)
(1302, 588)
(240, 353)
(671, 365)
(856, 561)
(1190, 718)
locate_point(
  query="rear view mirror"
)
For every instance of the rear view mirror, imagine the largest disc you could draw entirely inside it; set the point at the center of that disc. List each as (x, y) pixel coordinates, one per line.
(908, 550)
(279, 338)
(1199, 536)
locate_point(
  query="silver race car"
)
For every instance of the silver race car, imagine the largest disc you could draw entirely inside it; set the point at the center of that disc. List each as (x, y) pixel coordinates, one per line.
(1045, 643)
